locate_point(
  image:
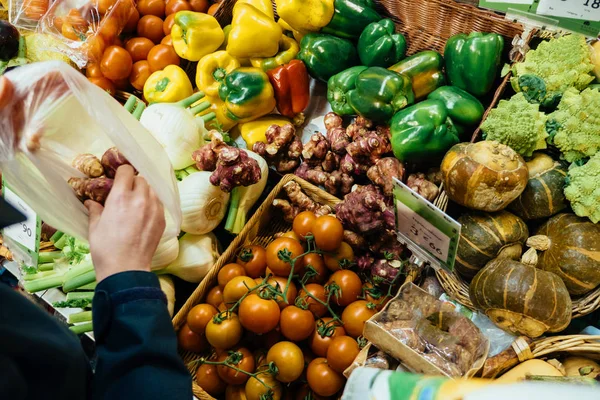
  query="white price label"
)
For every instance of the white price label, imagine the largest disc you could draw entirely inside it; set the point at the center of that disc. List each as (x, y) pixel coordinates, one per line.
(420, 231)
(511, 1)
(22, 232)
(588, 10)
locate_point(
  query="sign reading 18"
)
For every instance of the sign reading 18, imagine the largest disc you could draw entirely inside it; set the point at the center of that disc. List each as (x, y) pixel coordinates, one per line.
(595, 3)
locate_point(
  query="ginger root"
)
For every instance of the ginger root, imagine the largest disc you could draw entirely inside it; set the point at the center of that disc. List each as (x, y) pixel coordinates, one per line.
(96, 189)
(111, 160)
(89, 165)
(422, 186)
(283, 148)
(383, 172)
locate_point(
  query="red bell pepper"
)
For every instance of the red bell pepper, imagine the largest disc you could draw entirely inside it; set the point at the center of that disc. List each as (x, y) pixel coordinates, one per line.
(291, 85)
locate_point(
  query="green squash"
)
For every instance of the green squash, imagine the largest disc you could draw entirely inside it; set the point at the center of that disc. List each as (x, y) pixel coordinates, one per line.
(543, 196)
(520, 298)
(571, 249)
(485, 236)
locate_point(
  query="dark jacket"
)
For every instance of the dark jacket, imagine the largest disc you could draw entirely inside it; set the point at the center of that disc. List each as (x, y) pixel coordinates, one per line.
(135, 344)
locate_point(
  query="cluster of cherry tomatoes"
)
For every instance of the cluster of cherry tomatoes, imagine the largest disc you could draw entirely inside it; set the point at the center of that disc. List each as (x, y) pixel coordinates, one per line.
(122, 64)
(289, 315)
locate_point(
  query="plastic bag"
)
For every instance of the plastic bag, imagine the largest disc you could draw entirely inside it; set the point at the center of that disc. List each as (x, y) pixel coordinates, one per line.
(25, 14)
(85, 27)
(56, 114)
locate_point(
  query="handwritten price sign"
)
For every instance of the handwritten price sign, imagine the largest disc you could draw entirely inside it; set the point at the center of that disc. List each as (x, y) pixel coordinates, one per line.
(588, 10)
(24, 232)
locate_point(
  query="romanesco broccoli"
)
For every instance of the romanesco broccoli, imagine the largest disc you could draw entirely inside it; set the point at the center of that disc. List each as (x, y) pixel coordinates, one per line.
(575, 126)
(518, 124)
(583, 189)
(552, 68)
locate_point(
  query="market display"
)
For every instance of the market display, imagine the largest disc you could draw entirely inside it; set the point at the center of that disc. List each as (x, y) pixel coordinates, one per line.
(343, 98)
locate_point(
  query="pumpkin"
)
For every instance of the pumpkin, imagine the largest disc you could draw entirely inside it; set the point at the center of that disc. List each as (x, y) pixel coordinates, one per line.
(484, 176)
(543, 196)
(528, 368)
(485, 236)
(521, 298)
(570, 248)
(581, 366)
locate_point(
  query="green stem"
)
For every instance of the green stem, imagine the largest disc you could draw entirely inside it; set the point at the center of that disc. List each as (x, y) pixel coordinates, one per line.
(234, 205)
(139, 109)
(62, 242)
(80, 295)
(79, 281)
(57, 235)
(22, 49)
(130, 104)
(48, 256)
(207, 117)
(79, 269)
(200, 107)
(38, 275)
(562, 379)
(91, 286)
(46, 283)
(83, 316)
(185, 103)
(82, 328)
(46, 267)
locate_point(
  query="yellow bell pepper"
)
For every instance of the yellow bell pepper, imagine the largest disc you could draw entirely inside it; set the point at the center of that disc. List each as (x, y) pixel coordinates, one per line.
(305, 15)
(226, 31)
(263, 5)
(168, 86)
(254, 131)
(253, 33)
(288, 49)
(298, 35)
(195, 35)
(221, 121)
(211, 71)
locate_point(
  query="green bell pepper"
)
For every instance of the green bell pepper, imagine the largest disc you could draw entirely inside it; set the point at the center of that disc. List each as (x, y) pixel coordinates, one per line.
(425, 70)
(247, 94)
(464, 109)
(473, 62)
(338, 87)
(422, 131)
(379, 46)
(351, 17)
(326, 55)
(380, 93)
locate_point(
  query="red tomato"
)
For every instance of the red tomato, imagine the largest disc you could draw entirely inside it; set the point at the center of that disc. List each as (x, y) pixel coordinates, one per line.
(116, 63)
(139, 48)
(258, 315)
(254, 260)
(322, 379)
(341, 353)
(328, 232)
(293, 249)
(319, 341)
(140, 72)
(355, 316)
(296, 324)
(350, 287)
(314, 306)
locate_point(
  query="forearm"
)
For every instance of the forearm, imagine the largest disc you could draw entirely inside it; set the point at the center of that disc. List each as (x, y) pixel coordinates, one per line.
(135, 341)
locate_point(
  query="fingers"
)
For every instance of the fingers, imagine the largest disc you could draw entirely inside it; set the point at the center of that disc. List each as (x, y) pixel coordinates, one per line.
(123, 179)
(159, 209)
(7, 91)
(140, 186)
(95, 209)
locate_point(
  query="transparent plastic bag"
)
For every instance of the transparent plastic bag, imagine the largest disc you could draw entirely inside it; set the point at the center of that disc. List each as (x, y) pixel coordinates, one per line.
(56, 114)
(85, 27)
(25, 14)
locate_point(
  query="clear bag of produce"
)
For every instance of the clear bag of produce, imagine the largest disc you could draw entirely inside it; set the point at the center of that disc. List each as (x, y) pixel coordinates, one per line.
(55, 115)
(428, 335)
(25, 14)
(85, 27)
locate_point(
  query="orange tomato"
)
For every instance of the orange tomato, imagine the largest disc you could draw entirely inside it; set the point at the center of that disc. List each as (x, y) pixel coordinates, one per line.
(296, 324)
(350, 286)
(116, 63)
(191, 341)
(226, 334)
(322, 379)
(167, 40)
(105, 5)
(57, 22)
(355, 316)
(35, 9)
(236, 288)
(344, 255)
(258, 315)
(94, 47)
(283, 244)
(104, 84)
(317, 291)
(109, 29)
(132, 21)
(162, 55)
(199, 316)
(151, 7)
(280, 283)
(140, 71)
(208, 379)
(215, 296)
(328, 232)
(316, 262)
(289, 359)
(139, 47)
(320, 344)
(213, 9)
(174, 6)
(254, 260)
(168, 24)
(303, 223)
(93, 71)
(200, 5)
(291, 235)
(341, 353)
(151, 27)
(228, 272)
(231, 376)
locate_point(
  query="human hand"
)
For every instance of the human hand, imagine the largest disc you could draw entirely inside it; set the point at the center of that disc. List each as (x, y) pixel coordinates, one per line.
(125, 233)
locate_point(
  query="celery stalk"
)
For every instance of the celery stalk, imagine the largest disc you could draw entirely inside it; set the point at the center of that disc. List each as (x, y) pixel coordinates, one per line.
(83, 316)
(80, 295)
(62, 242)
(48, 256)
(45, 283)
(82, 328)
(79, 269)
(91, 286)
(79, 280)
(38, 275)
(45, 267)
(57, 235)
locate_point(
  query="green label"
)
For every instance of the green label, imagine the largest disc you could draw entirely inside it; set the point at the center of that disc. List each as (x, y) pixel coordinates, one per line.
(582, 16)
(25, 235)
(422, 224)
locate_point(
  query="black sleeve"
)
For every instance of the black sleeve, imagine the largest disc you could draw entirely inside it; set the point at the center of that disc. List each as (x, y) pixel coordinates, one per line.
(135, 341)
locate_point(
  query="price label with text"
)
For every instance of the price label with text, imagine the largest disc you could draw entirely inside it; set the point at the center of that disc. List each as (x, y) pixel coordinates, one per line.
(588, 10)
(24, 232)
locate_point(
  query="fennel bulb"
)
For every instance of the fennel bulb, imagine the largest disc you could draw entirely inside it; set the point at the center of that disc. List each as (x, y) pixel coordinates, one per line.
(177, 129)
(203, 205)
(243, 198)
(166, 252)
(197, 255)
(168, 288)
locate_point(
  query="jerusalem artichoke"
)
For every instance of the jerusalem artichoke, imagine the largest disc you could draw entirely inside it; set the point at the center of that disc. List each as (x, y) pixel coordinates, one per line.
(425, 188)
(96, 189)
(383, 172)
(315, 150)
(300, 199)
(289, 211)
(282, 149)
(365, 211)
(89, 165)
(111, 160)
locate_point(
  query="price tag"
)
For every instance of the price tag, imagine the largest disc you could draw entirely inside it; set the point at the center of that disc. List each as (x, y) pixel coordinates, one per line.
(424, 227)
(588, 10)
(24, 233)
